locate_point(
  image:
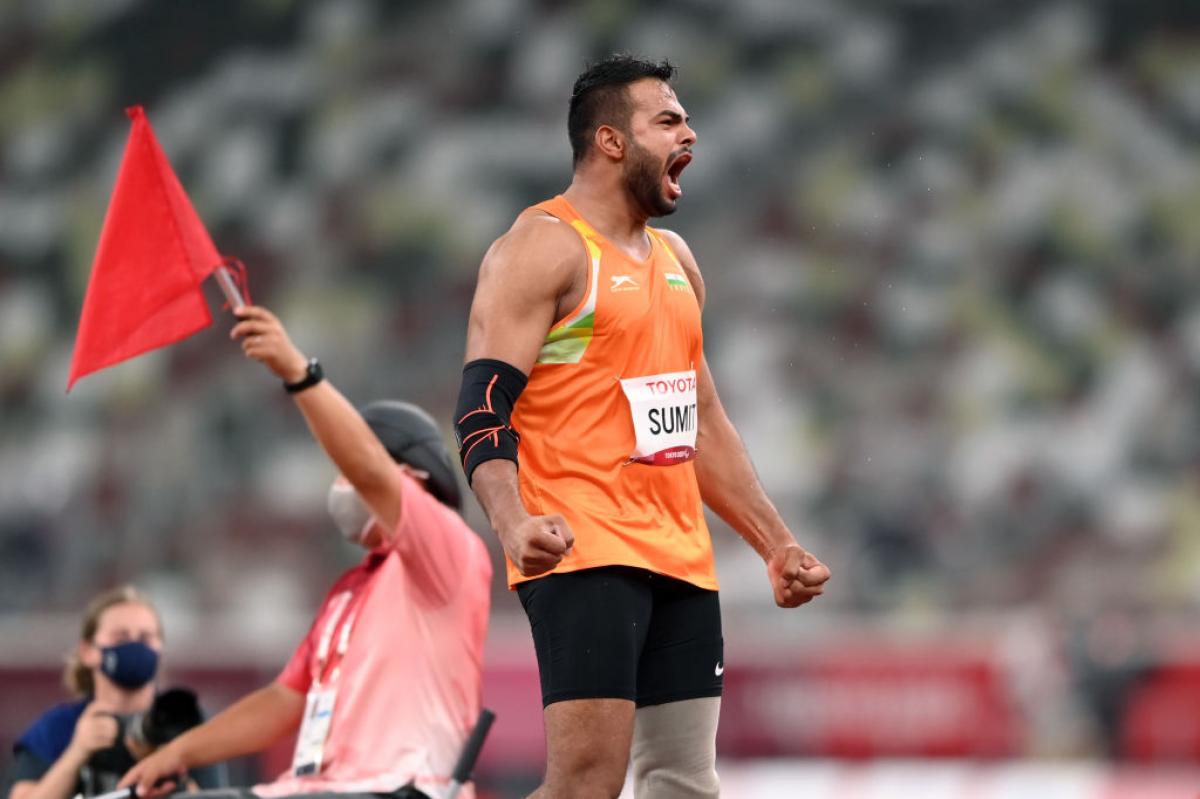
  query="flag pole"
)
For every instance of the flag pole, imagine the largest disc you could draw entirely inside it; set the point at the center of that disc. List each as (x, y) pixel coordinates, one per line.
(229, 287)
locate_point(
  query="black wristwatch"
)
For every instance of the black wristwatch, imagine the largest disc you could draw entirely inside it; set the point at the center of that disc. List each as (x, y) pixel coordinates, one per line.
(312, 375)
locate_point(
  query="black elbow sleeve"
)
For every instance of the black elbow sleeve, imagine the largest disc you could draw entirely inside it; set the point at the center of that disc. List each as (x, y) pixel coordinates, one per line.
(483, 420)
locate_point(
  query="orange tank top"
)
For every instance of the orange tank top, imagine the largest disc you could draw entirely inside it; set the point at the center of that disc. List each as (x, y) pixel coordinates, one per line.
(608, 418)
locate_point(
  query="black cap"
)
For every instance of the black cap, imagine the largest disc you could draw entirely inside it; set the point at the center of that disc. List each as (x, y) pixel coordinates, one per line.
(411, 436)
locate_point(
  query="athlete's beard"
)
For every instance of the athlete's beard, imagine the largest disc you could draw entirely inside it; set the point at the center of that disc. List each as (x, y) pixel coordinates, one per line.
(643, 180)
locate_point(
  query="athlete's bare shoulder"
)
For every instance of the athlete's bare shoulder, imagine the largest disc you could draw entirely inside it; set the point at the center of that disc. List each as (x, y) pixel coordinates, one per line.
(540, 247)
(528, 278)
(686, 259)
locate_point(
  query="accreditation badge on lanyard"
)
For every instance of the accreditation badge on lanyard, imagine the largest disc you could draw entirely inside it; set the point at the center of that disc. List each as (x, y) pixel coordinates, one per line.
(663, 408)
(322, 694)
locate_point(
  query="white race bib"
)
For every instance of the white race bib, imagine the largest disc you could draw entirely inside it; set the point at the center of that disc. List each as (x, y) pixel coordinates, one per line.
(310, 742)
(664, 417)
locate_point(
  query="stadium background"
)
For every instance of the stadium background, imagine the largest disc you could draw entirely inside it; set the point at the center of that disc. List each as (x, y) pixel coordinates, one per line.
(951, 252)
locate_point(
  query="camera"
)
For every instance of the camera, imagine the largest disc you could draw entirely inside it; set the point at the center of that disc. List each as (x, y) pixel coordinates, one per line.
(173, 713)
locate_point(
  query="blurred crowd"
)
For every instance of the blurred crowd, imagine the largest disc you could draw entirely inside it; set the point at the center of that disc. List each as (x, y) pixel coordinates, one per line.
(951, 257)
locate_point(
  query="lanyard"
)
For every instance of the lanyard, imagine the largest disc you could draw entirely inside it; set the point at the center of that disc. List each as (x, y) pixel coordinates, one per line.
(344, 609)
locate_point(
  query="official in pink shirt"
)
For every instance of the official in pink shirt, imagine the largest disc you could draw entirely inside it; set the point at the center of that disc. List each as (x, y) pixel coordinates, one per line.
(384, 689)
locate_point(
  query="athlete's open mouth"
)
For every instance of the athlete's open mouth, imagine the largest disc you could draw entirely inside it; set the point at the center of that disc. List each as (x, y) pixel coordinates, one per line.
(674, 170)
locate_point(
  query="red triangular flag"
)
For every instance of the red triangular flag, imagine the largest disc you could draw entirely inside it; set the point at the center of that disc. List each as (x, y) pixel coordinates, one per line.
(154, 252)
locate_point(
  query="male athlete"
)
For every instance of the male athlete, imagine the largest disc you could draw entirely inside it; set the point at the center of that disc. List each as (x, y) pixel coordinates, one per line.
(585, 337)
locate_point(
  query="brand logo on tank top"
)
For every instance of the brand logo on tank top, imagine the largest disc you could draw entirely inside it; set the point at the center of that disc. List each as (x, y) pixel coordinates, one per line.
(623, 283)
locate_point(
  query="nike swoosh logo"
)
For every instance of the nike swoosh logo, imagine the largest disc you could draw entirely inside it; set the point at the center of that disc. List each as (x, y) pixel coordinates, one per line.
(719, 670)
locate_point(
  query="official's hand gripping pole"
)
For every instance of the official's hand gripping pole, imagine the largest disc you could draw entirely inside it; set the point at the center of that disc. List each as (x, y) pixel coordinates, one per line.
(470, 753)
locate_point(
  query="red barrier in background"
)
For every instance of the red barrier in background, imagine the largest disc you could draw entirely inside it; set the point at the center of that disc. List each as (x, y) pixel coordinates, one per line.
(883, 701)
(517, 739)
(1161, 719)
(919, 701)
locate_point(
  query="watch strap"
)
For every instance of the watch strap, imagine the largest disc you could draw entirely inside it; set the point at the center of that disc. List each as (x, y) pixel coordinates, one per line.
(312, 375)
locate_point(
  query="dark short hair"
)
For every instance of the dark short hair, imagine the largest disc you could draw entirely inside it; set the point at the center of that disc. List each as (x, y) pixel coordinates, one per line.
(601, 97)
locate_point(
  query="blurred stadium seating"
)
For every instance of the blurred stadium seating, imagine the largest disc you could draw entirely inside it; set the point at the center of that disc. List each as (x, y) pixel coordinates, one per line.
(954, 308)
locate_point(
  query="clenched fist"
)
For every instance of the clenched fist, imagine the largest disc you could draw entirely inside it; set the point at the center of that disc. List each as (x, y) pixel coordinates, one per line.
(796, 576)
(537, 544)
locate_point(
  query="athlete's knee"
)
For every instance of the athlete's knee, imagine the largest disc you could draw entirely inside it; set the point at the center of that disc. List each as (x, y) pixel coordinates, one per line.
(589, 768)
(674, 750)
(597, 771)
(588, 744)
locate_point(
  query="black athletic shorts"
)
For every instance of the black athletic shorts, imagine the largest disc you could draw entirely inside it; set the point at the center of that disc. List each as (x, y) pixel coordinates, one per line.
(617, 632)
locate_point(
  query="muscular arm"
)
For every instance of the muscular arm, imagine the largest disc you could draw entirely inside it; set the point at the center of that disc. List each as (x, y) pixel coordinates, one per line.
(730, 486)
(335, 423)
(529, 277)
(249, 725)
(728, 483)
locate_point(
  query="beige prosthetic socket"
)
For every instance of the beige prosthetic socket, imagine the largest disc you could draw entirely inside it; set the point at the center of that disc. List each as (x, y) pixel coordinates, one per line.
(675, 750)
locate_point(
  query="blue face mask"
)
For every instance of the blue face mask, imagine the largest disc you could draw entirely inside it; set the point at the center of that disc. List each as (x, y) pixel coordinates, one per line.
(130, 665)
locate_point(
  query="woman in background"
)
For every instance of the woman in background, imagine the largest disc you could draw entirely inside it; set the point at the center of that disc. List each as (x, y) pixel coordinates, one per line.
(80, 746)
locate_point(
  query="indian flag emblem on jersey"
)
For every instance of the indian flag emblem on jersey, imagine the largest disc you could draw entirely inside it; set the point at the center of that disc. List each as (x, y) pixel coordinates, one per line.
(677, 282)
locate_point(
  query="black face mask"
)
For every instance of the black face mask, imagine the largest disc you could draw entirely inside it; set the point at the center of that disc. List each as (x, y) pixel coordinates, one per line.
(130, 665)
